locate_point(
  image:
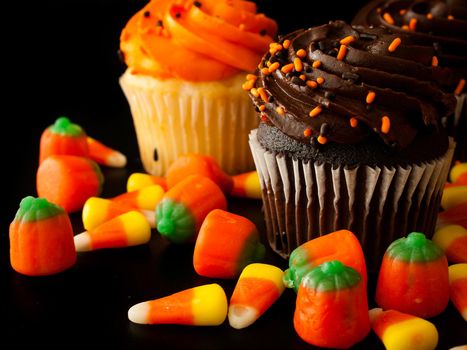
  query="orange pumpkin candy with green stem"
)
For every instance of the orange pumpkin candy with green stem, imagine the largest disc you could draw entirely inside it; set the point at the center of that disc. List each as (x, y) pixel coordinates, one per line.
(63, 138)
(413, 277)
(182, 209)
(41, 238)
(331, 307)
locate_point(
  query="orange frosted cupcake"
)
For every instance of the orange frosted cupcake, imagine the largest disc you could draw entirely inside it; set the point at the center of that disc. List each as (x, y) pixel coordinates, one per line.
(187, 61)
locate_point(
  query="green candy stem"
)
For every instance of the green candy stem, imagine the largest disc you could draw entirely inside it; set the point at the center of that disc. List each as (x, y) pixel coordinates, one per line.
(299, 266)
(175, 221)
(64, 126)
(414, 248)
(34, 209)
(331, 276)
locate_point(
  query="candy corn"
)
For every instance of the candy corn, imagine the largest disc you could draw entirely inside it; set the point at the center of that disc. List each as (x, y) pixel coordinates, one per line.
(453, 196)
(97, 210)
(331, 307)
(226, 243)
(258, 287)
(246, 185)
(181, 211)
(41, 238)
(452, 239)
(145, 198)
(340, 245)
(458, 173)
(63, 138)
(125, 230)
(69, 181)
(456, 215)
(458, 287)
(204, 305)
(105, 155)
(197, 164)
(136, 181)
(413, 277)
(399, 331)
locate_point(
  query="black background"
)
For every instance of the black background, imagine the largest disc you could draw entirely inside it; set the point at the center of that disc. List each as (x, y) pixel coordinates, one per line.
(62, 60)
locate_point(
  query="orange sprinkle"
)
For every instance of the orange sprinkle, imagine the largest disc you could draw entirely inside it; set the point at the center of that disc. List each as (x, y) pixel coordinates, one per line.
(271, 45)
(394, 45)
(263, 94)
(287, 68)
(402, 12)
(251, 77)
(322, 139)
(312, 84)
(429, 15)
(316, 64)
(247, 85)
(450, 17)
(301, 53)
(347, 40)
(298, 65)
(320, 80)
(353, 122)
(286, 44)
(388, 18)
(307, 132)
(262, 108)
(280, 110)
(273, 67)
(268, 63)
(342, 52)
(460, 87)
(315, 111)
(254, 92)
(303, 77)
(265, 71)
(385, 124)
(405, 27)
(413, 24)
(434, 61)
(264, 118)
(370, 97)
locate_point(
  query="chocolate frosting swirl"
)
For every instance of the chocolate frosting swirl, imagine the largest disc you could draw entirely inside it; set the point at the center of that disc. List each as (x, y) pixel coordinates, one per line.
(338, 89)
(438, 23)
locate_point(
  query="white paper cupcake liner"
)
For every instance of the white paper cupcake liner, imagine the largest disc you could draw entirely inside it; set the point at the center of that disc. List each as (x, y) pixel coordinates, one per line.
(304, 200)
(173, 118)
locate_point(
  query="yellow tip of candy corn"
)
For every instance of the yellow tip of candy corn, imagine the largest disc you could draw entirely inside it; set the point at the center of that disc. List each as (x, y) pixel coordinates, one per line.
(457, 170)
(453, 196)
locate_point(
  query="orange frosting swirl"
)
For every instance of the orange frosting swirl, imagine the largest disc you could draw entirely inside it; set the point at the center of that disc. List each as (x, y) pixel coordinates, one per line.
(196, 40)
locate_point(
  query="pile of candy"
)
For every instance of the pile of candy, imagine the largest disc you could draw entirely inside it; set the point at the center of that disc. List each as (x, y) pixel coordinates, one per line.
(189, 206)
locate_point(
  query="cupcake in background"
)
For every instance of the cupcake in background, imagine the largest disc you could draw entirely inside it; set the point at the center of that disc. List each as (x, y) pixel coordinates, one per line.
(441, 24)
(186, 63)
(350, 137)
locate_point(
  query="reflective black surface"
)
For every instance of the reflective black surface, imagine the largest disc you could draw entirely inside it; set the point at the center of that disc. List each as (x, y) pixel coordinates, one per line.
(64, 62)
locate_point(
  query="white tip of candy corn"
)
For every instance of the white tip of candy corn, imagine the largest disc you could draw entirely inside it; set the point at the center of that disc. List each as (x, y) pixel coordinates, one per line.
(138, 313)
(82, 242)
(116, 160)
(241, 316)
(374, 313)
(460, 347)
(150, 217)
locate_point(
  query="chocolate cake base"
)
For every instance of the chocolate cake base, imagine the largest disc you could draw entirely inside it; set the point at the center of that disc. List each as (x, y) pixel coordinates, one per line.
(304, 199)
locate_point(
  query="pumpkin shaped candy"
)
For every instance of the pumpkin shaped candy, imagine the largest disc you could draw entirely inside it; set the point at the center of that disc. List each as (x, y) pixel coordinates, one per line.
(41, 238)
(331, 306)
(413, 277)
(63, 138)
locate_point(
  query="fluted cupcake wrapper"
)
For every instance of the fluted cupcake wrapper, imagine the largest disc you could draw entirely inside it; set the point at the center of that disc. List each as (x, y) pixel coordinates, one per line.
(173, 118)
(304, 200)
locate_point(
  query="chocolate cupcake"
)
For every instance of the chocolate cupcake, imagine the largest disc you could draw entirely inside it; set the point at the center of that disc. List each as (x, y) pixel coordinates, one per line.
(350, 136)
(442, 25)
